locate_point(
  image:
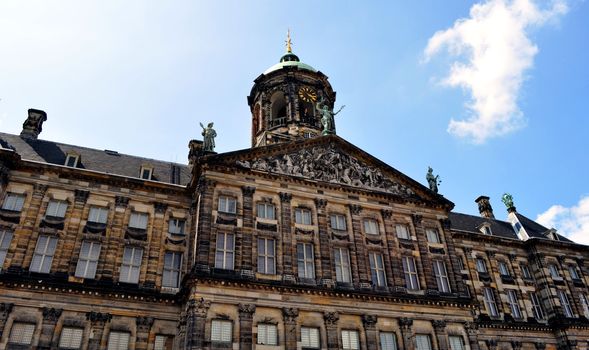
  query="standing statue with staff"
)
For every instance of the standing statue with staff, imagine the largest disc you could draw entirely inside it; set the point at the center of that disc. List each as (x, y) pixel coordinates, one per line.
(327, 117)
(433, 181)
(209, 135)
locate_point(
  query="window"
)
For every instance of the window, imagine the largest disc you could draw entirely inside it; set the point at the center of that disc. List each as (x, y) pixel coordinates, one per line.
(513, 303)
(71, 160)
(481, 266)
(267, 334)
(526, 274)
(146, 173)
(89, 254)
(131, 265)
(370, 227)
(402, 231)
(537, 309)
(118, 341)
(266, 211)
(163, 342)
(98, 215)
(564, 302)
(433, 236)
(43, 256)
(503, 269)
(305, 260)
(423, 342)
(338, 222)
(388, 341)
(71, 338)
(350, 340)
(21, 333)
(172, 263)
(310, 337)
(456, 342)
(56, 209)
(138, 221)
(489, 299)
(441, 275)
(221, 331)
(574, 272)
(13, 202)
(584, 305)
(5, 239)
(554, 272)
(303, 216)
(410, 271)
(460, 262)
(377, 270)
(266, 256)
(176, 226)
(487, 230)
(227, 205)
(225, 251)
(342, 265)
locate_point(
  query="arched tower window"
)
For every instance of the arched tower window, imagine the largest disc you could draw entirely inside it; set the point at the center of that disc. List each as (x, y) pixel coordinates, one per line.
(278, 101)
(257, 123)
(307, 112)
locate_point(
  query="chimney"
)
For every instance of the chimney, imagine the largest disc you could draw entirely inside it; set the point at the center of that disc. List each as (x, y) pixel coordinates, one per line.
(485, 207)
(33, 126)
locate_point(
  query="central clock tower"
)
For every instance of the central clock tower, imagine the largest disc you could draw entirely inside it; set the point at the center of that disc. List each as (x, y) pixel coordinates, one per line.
(284, 101)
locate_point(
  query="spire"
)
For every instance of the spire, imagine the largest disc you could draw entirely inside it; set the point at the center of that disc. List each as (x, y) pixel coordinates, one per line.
(288, 42)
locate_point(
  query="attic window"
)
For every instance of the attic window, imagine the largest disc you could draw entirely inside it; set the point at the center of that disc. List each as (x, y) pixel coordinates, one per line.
(146, 172)
(486, 229)
(71, 160)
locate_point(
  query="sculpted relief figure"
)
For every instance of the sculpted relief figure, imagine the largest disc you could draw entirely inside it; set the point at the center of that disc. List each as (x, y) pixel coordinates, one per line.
(209, 135)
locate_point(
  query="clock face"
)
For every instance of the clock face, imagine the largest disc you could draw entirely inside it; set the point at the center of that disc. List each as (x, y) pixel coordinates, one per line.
(307, 94)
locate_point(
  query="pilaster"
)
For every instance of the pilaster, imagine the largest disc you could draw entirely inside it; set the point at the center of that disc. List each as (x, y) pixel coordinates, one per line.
(369, 322)
(290, 315)
(331, 319)
(246, 315)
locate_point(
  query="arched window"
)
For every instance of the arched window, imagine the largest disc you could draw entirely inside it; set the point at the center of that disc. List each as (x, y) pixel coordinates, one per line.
(257, 123)
(278, 109)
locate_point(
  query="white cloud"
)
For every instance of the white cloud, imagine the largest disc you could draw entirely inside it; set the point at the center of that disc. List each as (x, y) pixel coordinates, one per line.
(492, 51)
(571, 222)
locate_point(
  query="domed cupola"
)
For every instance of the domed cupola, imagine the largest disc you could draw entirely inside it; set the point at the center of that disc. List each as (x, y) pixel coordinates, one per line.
(286, 99)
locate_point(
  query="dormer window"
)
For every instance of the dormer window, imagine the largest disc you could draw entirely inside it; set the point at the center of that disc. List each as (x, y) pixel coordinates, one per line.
(138, 221)
(56, 209)
(485, 228)
(71, 160)
(13, 202)
(338, 222)
(176, 226)
(433, 236)
(146, 172)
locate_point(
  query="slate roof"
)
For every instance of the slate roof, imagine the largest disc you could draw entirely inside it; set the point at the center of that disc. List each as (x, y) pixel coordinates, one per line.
(98, 160)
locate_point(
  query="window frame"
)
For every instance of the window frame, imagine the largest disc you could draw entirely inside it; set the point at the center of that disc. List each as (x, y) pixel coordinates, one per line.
(372, 224)
(130, 265)
(338, 222)
(565, 303)
(405, 230)
(457, 337)
(503, 269)
(346, 334)
(262, 208)
(24, 338)
(77, 333)
(73, 156)
(574, 272)
(176, 226)
(490, 302)
(174, 269)
(222, 331)
(6, 237)
(100, 211)
(266, 260)
(423, 336)
(513, 302)
(264, 332)
(584, 304)
(308, 262)
(481, 265)
(387, 344)
(377, 269)
(433, 235)
(227, 204)
(343, 272)
(526, 272)
(58, 207)
(118, 334)
(143, 171)
(90, 260)
(441, 275)
(310, 344)
(136, 218)
(410, 273)
(537, 308)
(554, 272)
(13, 202)
(45, 255)
(225, 251)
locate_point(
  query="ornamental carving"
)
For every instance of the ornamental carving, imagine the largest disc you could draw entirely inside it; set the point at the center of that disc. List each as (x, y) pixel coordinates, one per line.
(290, 314)
(439, 325)
(121, 201)
(285, 197)
(160, 208)
(355, 209)
(5, 310)
(471, 327)
(198, 307)
(51, 315)
(320, 203)
(39, 189)
(386, 213)
(248, 191)
(516, 345)
(330, 318)
(540, 345)
(327, 164)
(98, 317)
(369, 321)
(80, 196)
(246, 310)
(405, 323)
(144, 323)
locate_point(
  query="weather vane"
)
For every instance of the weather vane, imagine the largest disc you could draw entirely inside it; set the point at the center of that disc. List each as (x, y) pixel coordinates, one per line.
(288, 42)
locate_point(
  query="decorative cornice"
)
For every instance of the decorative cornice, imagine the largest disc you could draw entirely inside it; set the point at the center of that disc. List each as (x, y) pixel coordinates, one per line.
(121, 201)
(285, 197)
(330, 318)
(248, 191)
(471, 327)
(369, 321)
(81, 196)
(98, 317)
(290, 314)
(51, 315)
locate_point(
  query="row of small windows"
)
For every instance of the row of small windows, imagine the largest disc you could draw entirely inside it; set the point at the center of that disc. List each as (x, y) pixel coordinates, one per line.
(504, 271)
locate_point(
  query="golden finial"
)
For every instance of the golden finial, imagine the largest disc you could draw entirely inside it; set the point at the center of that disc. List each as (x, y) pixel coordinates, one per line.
(288, 42)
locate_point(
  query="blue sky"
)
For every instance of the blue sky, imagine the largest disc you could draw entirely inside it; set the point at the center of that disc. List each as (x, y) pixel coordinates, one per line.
(138, 77)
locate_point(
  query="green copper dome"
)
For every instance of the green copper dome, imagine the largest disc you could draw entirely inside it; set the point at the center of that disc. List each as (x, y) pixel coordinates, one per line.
(289, 59)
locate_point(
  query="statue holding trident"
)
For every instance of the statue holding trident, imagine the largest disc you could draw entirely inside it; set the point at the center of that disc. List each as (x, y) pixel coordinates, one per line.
(327, 117)
(209, 135)
(432, 180)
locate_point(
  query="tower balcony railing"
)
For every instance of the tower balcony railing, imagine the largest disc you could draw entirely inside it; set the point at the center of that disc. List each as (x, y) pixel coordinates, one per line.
(311, 121)
(277, 122)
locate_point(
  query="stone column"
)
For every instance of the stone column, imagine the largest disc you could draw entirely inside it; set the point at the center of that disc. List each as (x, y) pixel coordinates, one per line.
(441, 335)
(491, 344)
(324, 245)
(406, 325)
(289, 315)
(67, 257)
(196, 317)
(247, 232)
(424, 263)
(246, 315)
(5, 310)
(516, 345)
(97, 322)
(391, 261)
(50, 317)
(331, 319)
(159, 231)
(369, 322)
(181, 332)
(540, 345)
(115, 241)
(203, 244)
(472, 330)
(143, 327)
(360, 271)
(288, 260)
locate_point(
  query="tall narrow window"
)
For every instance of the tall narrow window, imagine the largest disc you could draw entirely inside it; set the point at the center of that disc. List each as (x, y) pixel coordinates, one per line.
(227, 205)
(88, 260)
(503, 269)
(71, 160)
(176, 226)
(441, 276)
(131, 265)
(118, 341)
(56, 208)
(43, 256)
(5, 239)
(433, 236)
(138, 221)
(13, 202)
(410, 272)
(402, 231)
(350, 340)
(481, 266)
(266, 256)
(554, 272)
(172, 263)
(98, 215)
(514, 304)
(370, 227)
(489, 299)
(584, 305)
(388, 341)
(377, 270)
(221, 331)
(146, 173)
(423, 342)
(224, 252)
(267, 334)
(574, 272)
(305, 260)
(526, 274)
(342, 265)
(564, 302)
(266, 211)
(456, 342)
(338, 222)
(71, 338)
(537, 308)
(310, 337)
(303, 216)
(21, 333)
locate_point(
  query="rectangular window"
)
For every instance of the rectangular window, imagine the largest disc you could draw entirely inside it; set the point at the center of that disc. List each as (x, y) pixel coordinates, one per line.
(481, 266)
(266, 211)
(163, 342)
(21, 333)
(88, 259)
(71, 338)
(526, 274)
(338, 222)
(441, 275)
(371, 227)
(43, 256)
(537, 308)
(303, 216)
(221, 331)
(138, 221)
(118, 341)
(423, 342)
(266, 256)
(146, 173)
(172, 263)
(489, 299)
(98, 215)
(176, 226)
(71, 160)
(224, 252)
(305, 260)
(402, 231)
(574, 272)
(5, 239)
(584, 305)
(554, 272)
(267, 334)
(310, 337)
(503, 269)
(131, 265)
(564, 302)
(513, 304)
(56, 209)
(433, 236)
(410, 272)
(342, 265)
(377, 270)
(13, 202)
(456, 342)
(350, 340)
(460, 262)
(388, 341)
(227, 205)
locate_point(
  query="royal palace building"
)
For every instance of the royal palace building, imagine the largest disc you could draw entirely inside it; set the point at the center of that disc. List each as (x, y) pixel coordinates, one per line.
(302, 241)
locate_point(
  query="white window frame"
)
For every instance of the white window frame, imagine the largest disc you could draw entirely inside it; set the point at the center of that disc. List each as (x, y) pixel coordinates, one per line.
(503, 269)
(75, 158)
(13, 202)
(98, 215)
(21, 333)
(350, 339)
(513, 302)
(172, 269)
(526, 273)
(554, 272)
(410, 272)
(306, 260)
(118, 340)
(221, 331)
(423, 342)
(388, 341)
(456, 342)
(402, 231)
(56, 208)
(565, 303)
(441, 275)
(131, 267)
(537, 308)
(266, 211)
(5, 240)
(225, 251)
(88, 259)
(341, 258)
(338, 222)
(303, 216)
(266, 258)
(267, 334)
(584, 304)
(143, 171)
(71, 338)
(574, 272)
(227, 205)
(433, 235)
(176, 226)
(481, 265)
(377, 270)
(138, 220)
(371, 227)
(43, 256)
(160, 342)
(310, 338)
(490, 303)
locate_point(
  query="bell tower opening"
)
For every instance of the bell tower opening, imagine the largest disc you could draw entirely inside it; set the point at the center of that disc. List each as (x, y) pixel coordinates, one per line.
(278, 103)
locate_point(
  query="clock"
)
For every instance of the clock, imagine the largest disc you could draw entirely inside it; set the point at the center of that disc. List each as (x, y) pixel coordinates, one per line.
(307, 94)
